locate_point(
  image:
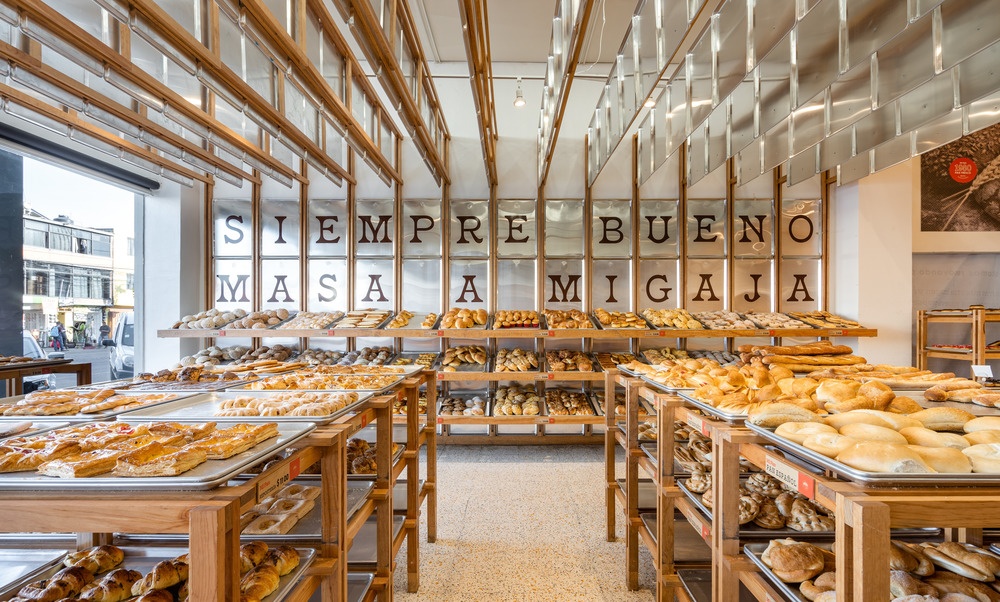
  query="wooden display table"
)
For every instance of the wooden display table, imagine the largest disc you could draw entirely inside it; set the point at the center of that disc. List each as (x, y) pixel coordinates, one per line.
(15, 373)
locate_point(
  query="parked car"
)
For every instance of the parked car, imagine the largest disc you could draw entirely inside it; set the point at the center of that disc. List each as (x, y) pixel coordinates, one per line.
(122, 344)
(33, 350)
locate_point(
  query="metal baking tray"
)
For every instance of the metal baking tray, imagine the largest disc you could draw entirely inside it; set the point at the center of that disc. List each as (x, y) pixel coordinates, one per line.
(647, 493)
(649, 448)
(309, 529)
(371, 477)
(363, 369)
(622, 426)
(398, 380)
(35, 427)
(789, 590)
(102, 415)
(282, 325)
(143, 559)
(399, 490)
(666, 388)
(465, 367)
(358, 585)
(689, 547)
(487, 409)
(207, 475)
(972, 408)
(876, 479)
(204, 406)
(20, 567)
(380, 325)
(541, 323)
(187, 386)
(624, 370)
(413, 355)
(363, 552)
(589, 398)
(546, 368)
(600, 326)
(761, 325)
(416, 320)
(712, 410)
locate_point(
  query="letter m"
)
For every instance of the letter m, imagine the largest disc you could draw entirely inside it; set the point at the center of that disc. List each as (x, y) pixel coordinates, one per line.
(225, 283)
(557, 283)
(381, 226)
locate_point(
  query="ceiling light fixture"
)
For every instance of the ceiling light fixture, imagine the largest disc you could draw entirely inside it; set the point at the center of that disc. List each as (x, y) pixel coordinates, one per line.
(519, 96)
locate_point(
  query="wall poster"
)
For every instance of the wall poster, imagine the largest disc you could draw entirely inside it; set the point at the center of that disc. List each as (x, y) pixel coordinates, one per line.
(960, 184)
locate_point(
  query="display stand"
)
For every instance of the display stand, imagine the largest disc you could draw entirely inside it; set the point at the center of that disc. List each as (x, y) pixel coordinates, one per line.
(15, 373)
(975, 318)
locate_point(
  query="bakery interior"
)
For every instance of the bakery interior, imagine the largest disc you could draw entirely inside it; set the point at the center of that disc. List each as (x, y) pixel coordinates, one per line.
(420, 283)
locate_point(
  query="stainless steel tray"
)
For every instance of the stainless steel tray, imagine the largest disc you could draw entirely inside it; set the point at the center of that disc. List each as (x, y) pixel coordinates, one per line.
(309, 529)
(370, 477)
(621, 368)
(363, 552)
(590, 400)
(358, 585)
(205, 406)
(713, 411)
(646, 325)
(416, 320)
(666, 388)
(972, 408)
(647, 493)
(35, 427)
(76, 418)
(379, 326)
(208, 475)
(876, 479)
(20, 567)
(246, 387)
(143, 559)
(546, 368)
(789, 590)
(487, 408)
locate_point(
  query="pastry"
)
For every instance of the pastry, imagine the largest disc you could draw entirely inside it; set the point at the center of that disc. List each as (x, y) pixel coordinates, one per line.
(803, 517)
(875, 456)
(158, 460)
(163, 575)
(765, 484)
(297, 508)
(96, 560)
(943, 419)
(829, 444)
(868, 432)
(944, 459)
(950, 583)
(768, 517)
(66, 583)
(699, 481)
(87, 464)
(283, 558)
(749, 507)
(260, 582)
(918, 435)
(299, 492)
(985, 457)
(251, 554)
(901, 583)
(270, 524)
(155, 595)
(798, 431)
(114, 587)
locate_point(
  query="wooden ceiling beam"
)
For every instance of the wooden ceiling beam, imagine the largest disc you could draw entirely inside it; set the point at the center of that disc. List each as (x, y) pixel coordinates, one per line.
(476, 33)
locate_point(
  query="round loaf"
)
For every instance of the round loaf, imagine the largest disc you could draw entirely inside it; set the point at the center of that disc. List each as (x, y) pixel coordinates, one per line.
(983, 423)
(918, 435)
(985, 457)
(944, 459)
(876, 456)
(943, 419)
(829, 444)
(869, 432)
(979, 437)
(832, 389)
(798, 431)
(896, 421)
(839, 421)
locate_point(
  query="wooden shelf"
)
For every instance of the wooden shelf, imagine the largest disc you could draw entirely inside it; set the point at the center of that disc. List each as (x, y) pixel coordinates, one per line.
(975, 319)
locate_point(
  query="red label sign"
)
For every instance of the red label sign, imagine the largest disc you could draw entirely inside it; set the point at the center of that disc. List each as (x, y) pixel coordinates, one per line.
(294, 468)
(440, 420)
(329, 333)
(551, 333)
(963, 170)
(440, 333)
(807, 486)
(706, 533)
(440, 375)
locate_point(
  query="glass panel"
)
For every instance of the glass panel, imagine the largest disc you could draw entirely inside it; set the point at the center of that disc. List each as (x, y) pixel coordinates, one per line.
(327, 285)
(314, 39)
(658, 280)
(279, 283)
(232, 228)
(611, 229)
(233, 286)
(563, 234)
(86, 14)
(706, 228)
(279, 236)
(657, 228)
(183, 83)
(421, 228)
(327, 228)
(516, 234)
(752, 280)
(421, 285)
(374, 285)
(301, 111)
(186, 12)
(612, 288)
(516, 280)
(281, 9)
(469, 286)
(801, 234)
(564, 287)
(374, 227)
(230, 116)
(332, 68)
(801, 285)
(231, 44)
(753, 225)
(470, 228)
(706, 284)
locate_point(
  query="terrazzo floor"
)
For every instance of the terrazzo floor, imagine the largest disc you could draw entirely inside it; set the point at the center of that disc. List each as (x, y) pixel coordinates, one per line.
(519, 524)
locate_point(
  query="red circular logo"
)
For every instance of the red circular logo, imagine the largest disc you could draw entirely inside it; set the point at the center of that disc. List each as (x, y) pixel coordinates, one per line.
(963, 170)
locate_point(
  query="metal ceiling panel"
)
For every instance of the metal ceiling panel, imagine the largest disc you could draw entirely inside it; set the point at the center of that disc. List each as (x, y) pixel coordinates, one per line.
(775, 146)
(850, 97)
(854, 169)
(718, 136)
(774, 77)
(701, 69)
(870, 25)
(906, 62)
(979, 74)
(928, 102)
(877, 128)
(984, 112)
(772, 19)
(966, 27)
(731, 35)
(817, 57)
(748, 162)
(836, 149)
(802, 166)
(808, 124)
(892, 152)
(939, 132)
(742, 116)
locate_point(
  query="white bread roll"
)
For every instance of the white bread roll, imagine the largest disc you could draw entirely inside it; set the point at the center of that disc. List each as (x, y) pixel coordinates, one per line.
(830, 445)
(983, 423)
(875, 456)
(896, 421)
(839, 421)
(833, 389)
(904, 405)
(985, 457)
(918, 435)
(798, 431)
(870, 432)
(773, 415)
(944, 459)
(980, 437)
(943, 419)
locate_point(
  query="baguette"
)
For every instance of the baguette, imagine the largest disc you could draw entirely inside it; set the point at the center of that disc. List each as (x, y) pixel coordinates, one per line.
(814, 360)
(810, 349)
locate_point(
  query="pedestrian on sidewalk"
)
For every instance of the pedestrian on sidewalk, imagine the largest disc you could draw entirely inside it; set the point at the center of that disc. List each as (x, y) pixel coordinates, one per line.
(56, 337)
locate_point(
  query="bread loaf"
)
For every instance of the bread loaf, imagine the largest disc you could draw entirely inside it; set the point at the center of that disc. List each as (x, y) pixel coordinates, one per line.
(829, 444)
(983, 423)
(896, 421)
(944, 459)
(775, 414)
(868, 432)
(904, 405)
(918, 435)
(980, 437)
(985, 457)
(839, 421)
(943, 419)
(798, 431)
(879, 457)
(833, 389)
(793, 561)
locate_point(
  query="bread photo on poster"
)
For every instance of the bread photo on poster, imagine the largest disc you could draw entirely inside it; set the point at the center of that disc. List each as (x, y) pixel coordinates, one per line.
(959, 184)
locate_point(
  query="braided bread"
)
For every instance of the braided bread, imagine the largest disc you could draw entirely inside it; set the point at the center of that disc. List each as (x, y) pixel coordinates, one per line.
(156, 595)
(67, 583)
(283, 558)
(252, 554)
(96, 560)
(163, 575)
(260, 582)
(114, 587)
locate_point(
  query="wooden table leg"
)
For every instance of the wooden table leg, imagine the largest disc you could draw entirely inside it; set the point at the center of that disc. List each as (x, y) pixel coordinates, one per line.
(213, 568)
(431, 484)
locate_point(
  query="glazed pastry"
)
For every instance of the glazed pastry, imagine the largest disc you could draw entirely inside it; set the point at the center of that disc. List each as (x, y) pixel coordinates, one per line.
(252, 554)
(67, 583)
(163, 575)
(699, 482)
(283, 558)
(158, 460)
(270, 524)
(114, 587)
(803, 517)
(96, 560)
(765, 484)
(260, 582)
(749, 507)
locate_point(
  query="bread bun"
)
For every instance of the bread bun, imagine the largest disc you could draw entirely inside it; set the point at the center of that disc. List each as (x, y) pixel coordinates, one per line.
(980, 437)
(832, 389)
(839, 421)
(829, 444)
(944, 459)
(798, 431)
(943, 419)
(983, 423)
(918, 435)
(775, 414)
(876, 456)
(896, 421)
(798, 387)
(985, 457)
(878, 392)
(904, 405)
(869, 432)
(777, 372)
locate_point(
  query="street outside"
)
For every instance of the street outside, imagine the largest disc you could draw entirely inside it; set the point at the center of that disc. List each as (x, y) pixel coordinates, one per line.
(96, 357)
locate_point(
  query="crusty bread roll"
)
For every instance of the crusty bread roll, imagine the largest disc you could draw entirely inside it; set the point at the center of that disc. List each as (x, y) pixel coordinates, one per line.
(904, 405)
(798, 387)
(838, 421)
(944, 459)
(793, 561)
(833, 389)
(876, 456)
(870, 432)
(985, 457)
(943, 419)
(879, 393)
(798, 431)
(980, 437)
(854, 403)
(983, 423)
(829, 444)
(775, 414)
(918, 435)
(896, 421)
(778, 372)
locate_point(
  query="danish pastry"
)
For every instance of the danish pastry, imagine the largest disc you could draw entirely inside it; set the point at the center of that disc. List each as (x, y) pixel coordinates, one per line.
(270, 524)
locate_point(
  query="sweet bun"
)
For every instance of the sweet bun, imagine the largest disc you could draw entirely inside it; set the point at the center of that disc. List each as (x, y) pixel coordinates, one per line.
(896, 421)
(983, 423)
(985, 457)
(869, 432)
(876, 456)
(798, 431)
(831, 389)
(943, 419)
(918, 435)
(773, 415)
(830, 445)
(839, 421)
(980, 437)
(944, 459)
(904, 405)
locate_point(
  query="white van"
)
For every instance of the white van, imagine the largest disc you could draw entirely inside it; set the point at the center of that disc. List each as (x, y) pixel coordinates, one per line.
(122, 344)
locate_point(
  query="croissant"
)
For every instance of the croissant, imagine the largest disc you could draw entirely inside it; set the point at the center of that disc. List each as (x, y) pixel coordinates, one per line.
(260, 582)
(252, 554)
(156, 595)
(283, 558)
(114, 587)
(163, 575)
(67, 583)
(96, 560)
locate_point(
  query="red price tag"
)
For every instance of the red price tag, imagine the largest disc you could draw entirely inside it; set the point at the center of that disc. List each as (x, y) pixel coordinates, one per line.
(440, 375)
(807, 485)
(705, 430)
(551, 333)
(330, 333)
(552, 420)
(663, 333)
(771, 332)
(440, 420)
(706, 533)
(364, 420)
(294, 468)
(46, 370)
(440, 333)
(550, 376)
